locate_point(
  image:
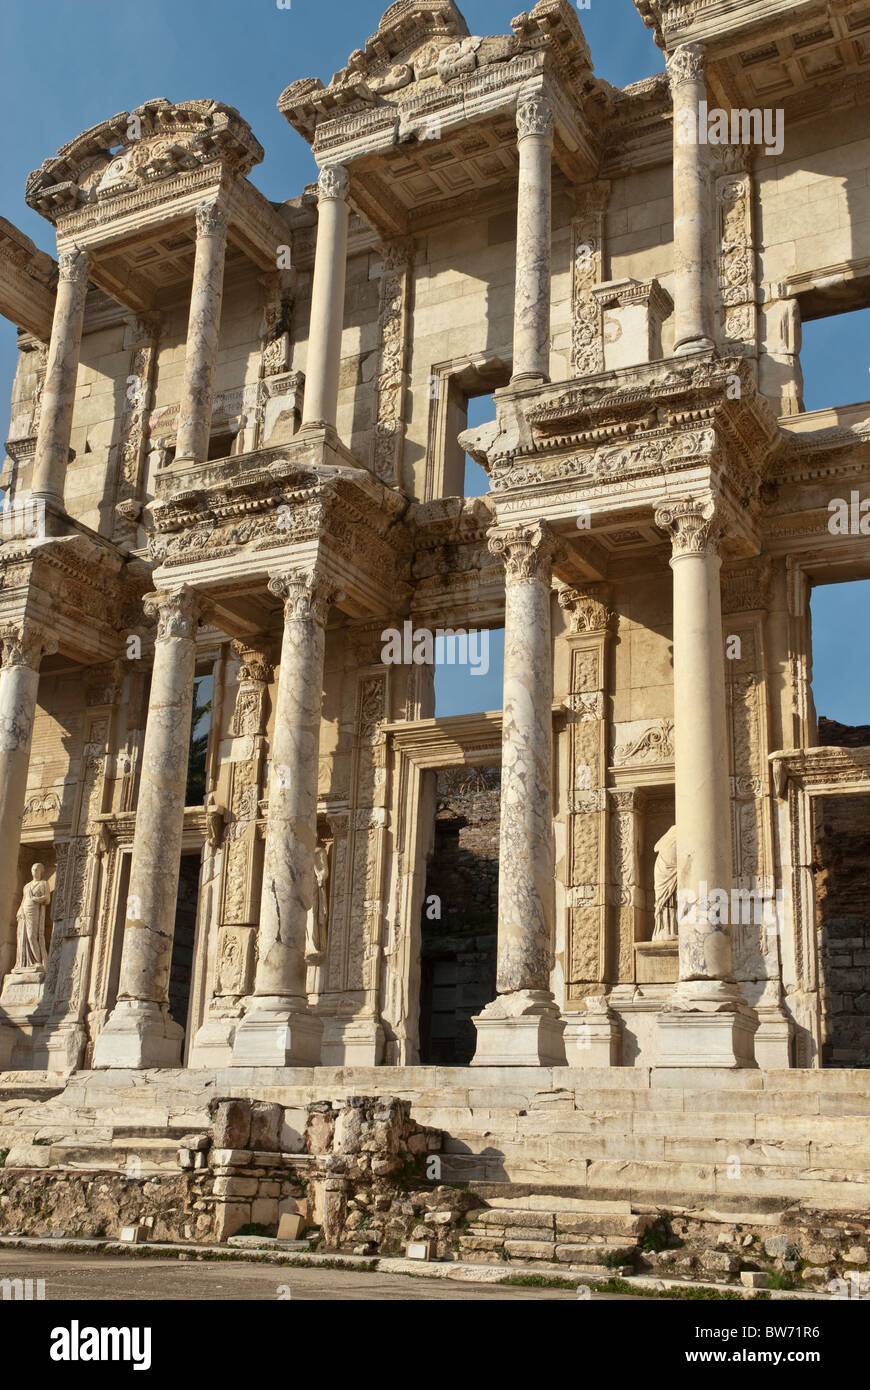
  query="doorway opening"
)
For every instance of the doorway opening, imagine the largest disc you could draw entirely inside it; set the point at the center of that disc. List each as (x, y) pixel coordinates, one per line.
(181, 969)
(460, 914)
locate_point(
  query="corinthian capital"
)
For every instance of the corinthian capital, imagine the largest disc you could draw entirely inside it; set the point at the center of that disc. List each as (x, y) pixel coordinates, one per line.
(692, 525)
(534, 116)
(307, 595)
(25, 643)
(333, 182)
(527, 551)
(212, 219)
(686, 64)
(73, 265)
(177, 611)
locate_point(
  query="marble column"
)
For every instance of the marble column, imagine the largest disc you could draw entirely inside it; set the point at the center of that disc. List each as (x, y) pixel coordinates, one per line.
(693, 207)
(278, 1029)
(58, 396)
(320, 406)
(706, 1021)
(522, 1026)
(534, 239)
(139, 1032)
(24, 644)
(203, 334)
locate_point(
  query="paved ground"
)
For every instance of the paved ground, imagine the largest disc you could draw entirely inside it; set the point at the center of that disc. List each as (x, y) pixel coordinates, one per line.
(80, 1278)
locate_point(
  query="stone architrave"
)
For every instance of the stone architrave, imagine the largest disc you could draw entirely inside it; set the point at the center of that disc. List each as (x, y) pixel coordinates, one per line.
(278, 1029)
(320, 406)
(58, 394)
(140, 1032)
(522, 1026)
(693, 211)
(24, 644)
(706, 1021)
(203, 333)
(535, 128)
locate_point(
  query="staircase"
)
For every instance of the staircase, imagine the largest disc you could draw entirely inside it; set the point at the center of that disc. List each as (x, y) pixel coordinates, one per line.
(552, 1231)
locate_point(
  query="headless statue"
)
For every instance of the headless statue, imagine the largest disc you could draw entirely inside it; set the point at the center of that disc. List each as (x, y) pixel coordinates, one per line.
(665, 878)
(31, 921)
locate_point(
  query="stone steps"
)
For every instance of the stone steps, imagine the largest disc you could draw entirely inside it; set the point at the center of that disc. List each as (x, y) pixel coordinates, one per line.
(552, 1231)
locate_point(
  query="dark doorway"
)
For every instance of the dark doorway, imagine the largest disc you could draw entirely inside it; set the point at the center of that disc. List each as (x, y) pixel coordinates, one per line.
(841, 867)
(460, 914)
(185, 932)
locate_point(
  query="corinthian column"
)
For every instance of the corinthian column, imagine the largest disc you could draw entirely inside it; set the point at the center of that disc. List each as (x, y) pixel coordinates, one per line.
(278, 1029)
(58, 397)
(534, 237)
(522, 1027)
(203, 334)
(24, 644)
(693, 213)
(320, 407)
(706, 1021)
(139, 1032)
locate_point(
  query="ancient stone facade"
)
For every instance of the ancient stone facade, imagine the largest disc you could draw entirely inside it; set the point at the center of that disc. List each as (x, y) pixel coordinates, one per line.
(235, 452)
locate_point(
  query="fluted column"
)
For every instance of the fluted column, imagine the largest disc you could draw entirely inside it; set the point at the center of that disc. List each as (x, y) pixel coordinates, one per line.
(706, 1022)
(693, 211)
(320, 406)
(24, 644)
(534, 240)
(203, 333)
(278, 1029)
(522, 1025)
(58, 396)
(140, 1032)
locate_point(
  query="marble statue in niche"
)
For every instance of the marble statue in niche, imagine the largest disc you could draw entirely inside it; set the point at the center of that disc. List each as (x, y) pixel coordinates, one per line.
(318, 918)
(31, 919)
(665, 878)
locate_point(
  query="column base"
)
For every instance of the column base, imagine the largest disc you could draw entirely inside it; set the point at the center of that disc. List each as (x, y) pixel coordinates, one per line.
(278, 1033)
(523, 1029)
(706, 1026)
(213, 1044)
(694, 345)
(139, 1034)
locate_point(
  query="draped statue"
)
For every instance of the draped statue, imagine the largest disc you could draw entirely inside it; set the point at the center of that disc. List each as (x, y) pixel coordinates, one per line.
(31, 921)
(665, 878)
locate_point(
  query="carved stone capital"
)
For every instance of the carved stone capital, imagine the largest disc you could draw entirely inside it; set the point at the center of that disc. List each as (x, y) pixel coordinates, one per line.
(212, 219)
(534, 117)
(692, 526)
(333, 183)
(177, 612)
(587, 606)
(25, 644)
(686, 64)
(255, 664)
(73, 265)
(527, 551)
(306, 595)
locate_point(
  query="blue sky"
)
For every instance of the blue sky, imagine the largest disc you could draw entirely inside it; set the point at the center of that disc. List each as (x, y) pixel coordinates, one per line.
(65, 67)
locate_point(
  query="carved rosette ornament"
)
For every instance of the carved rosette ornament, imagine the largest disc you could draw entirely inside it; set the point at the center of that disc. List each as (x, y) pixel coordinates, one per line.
(177, 612)
(212, 219)
(686, 64)
(527, 552)
(534, 117)
(692, 526)
(306, 596)
(73, 265)
(25, 644)
(333, 183)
